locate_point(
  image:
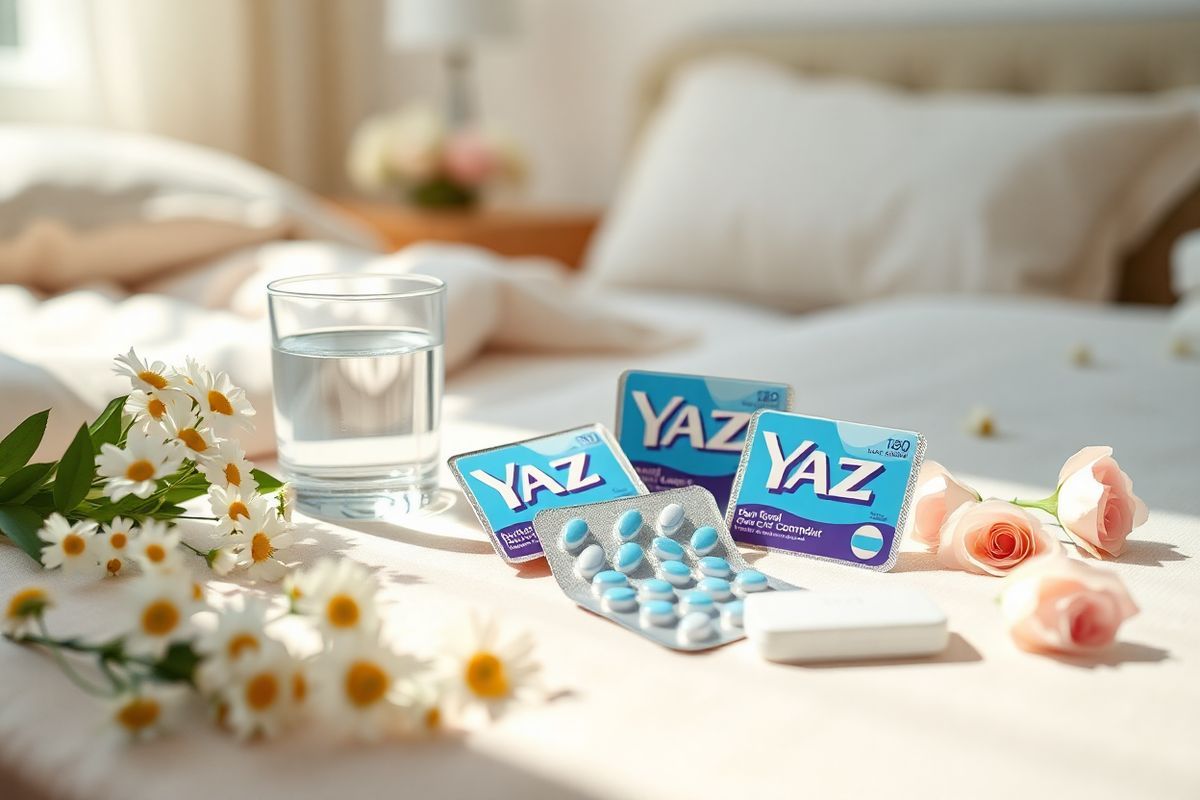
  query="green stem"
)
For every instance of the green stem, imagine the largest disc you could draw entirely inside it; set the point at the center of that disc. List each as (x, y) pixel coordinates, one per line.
(187, 516)
(202, 553)
(55, 647)
(1047, 504)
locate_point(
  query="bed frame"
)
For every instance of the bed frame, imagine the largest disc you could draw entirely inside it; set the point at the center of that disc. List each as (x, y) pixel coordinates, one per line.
(1127, 56)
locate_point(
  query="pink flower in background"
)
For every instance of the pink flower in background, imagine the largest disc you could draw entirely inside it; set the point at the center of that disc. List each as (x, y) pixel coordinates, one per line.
(992, 538)
(1096, 503)
(1059, 604)
(938, 495)
(469, 158)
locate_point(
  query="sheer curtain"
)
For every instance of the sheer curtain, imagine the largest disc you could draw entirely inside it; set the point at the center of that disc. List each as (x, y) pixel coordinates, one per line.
(279, 82)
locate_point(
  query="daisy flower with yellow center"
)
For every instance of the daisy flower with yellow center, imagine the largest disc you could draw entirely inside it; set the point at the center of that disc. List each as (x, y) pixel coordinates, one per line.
(161, 608)
(135, 469)
(233, 508)
(240, 631)
(145, 376)
(262, 536)
(486, 674)
(72, 546)
(223, 405)
(190, 433)
(24, 609)
(340, 596)
(146, 712)
(424, 703)
(222, 560)
(151, 409)
(226, 465)
(116, 545)
(259, 696)
(355, 688)
(156, 548)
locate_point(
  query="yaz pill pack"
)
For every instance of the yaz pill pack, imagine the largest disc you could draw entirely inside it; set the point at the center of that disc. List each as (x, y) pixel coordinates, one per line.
(661, 564)
(688, 430)
(838, 491)
(509, 484)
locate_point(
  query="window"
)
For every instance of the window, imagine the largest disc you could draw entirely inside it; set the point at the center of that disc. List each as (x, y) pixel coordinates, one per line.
(40, 41)
(9, 33)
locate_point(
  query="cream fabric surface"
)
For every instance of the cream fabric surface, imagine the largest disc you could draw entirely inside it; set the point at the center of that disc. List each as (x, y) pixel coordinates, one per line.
(825, 192)
(984, 720)
(57, 352)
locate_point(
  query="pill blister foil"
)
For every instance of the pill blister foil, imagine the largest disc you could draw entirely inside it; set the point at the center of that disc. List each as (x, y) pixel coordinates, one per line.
(700, 509)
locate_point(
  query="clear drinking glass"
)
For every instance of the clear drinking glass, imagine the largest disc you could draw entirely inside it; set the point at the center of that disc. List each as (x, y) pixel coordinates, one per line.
(357, 361)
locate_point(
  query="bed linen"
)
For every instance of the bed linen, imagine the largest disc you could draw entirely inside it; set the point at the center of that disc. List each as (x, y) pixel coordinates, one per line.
(982, 720)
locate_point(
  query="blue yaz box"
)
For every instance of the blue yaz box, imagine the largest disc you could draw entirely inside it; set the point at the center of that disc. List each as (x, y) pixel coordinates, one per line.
(508, 485)
(689, 430)
(838, 491)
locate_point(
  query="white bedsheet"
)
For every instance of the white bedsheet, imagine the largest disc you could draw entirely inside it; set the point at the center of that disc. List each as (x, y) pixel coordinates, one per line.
(982, 720)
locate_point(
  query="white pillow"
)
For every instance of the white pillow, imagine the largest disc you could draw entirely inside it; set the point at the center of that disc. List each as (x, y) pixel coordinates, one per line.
(802, 194)
(82, 205)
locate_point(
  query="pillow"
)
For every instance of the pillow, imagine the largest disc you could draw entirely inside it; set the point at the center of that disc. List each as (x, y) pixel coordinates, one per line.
(83, 205)
(803, 193)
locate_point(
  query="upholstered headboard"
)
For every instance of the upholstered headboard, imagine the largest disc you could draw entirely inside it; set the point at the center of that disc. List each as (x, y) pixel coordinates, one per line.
(1051, 57)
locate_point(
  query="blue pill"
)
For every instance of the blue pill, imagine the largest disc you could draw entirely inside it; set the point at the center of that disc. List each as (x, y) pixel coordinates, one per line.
(704, 539)
(676, 573)
(715, 567)
(628, 524)
(608, 579)
(732, 614)
(750, 580)
(654, 589)
(573, 534)
(668, 549)
(716, 588)
(670, 519)
(658, 613)
(620, 599)
(629, 556)
(695, 601)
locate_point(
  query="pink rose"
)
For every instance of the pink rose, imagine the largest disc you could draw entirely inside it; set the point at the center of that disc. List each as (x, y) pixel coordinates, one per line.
(1096, 503)
(992, 538)
(938, 495)
(469, 159)
(1060, 604)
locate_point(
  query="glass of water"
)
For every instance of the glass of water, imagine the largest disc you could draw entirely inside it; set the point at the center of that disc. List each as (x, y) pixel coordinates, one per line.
(357, 362)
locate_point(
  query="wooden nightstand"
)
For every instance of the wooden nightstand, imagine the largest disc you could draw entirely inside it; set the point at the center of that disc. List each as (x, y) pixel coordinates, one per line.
(560, 235)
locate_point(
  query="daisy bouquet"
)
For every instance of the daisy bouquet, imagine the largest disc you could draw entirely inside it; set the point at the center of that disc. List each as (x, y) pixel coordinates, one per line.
(108, 502)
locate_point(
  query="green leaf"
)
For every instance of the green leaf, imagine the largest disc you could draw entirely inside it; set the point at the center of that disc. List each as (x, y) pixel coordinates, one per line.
(179, 663)
(75, 472)
(20, 486)
(267, 483)
(183, 493)
(21, 525)
(107, 427)
(18, 447)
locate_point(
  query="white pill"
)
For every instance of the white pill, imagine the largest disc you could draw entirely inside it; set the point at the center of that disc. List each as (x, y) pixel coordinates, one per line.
(732, 614)
(590, 561)
(696, 627)
(620, 599)
(658, 613)
(670, 519)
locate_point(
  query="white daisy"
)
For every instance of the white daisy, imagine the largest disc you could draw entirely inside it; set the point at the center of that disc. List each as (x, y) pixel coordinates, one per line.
(240, 631)
(355, 688)
(147, 711)
(156, 548)
(135, 470)
(340, 596)
(234, 508)
(226, 465)
(195, 437)
(70, 546)
(153, 408)
(425, 706)
(262, 536)
(485, 675)
(222, 560)
(285, 498)
(25, 608)
(223, 405)
(117, 545)
(161, 609)
(259, 695)
(150, 377)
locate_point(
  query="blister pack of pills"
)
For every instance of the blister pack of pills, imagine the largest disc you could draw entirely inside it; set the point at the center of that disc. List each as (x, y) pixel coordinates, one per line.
(660, 564)
(824, 488)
